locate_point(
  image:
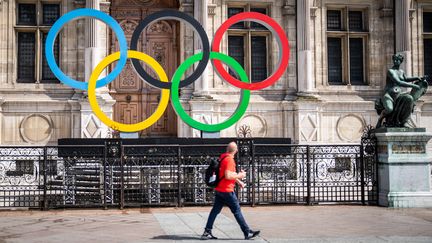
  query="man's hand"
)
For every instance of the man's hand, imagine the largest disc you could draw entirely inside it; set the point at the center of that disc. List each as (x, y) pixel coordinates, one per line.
(241, 183)
(241, 174)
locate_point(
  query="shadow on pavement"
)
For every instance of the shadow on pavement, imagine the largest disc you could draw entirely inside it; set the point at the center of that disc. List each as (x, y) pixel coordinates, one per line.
(176, 237)
(184, 237)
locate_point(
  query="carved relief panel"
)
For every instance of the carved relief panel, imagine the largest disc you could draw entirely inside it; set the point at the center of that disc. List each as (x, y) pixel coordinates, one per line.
(135, 99)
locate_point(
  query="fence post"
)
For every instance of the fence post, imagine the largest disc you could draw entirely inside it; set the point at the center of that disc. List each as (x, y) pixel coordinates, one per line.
(253, 172)
(121, 176)
(362, 171)
(308, 175)
(179, 159)
(105, 176)
(376, 167)
(44, 170)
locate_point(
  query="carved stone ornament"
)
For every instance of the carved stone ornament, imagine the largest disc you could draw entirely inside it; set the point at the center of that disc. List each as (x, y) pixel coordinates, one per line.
(145, 2)
(79, 3)
(159, 52)
(36, 128)
(350, 127)
(211, 9)
(128, 26)
(127, 76)
(159, 27)
(141, 3)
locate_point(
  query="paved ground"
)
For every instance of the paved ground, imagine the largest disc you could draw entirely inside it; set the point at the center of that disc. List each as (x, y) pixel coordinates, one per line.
(278, 224)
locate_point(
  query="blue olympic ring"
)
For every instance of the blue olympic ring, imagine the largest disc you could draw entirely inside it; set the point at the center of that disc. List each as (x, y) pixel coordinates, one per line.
(79, 13)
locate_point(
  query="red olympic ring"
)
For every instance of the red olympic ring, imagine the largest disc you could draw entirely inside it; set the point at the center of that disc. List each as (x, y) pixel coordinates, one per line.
(273, 26)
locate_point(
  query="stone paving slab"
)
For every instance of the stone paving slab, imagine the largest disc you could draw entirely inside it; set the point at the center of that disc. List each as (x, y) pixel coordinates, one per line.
(278, 224)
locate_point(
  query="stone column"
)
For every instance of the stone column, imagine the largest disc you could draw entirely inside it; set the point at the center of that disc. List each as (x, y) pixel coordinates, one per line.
(3, 62)
(2, 133)
(200, 13)
(92, 127)
(92, 54)
(202, 104)
(404, 175)
(3, 41)
(7, 51)
(402, 29)
(305, 71)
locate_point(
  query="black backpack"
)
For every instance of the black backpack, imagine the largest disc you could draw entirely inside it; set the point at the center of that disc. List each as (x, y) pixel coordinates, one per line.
(212, 173)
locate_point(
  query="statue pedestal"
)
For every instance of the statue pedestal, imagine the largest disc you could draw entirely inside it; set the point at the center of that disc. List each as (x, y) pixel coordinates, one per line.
(404, 173)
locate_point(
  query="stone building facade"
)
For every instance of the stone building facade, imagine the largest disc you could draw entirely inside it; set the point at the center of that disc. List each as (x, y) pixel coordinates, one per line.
(340, 51)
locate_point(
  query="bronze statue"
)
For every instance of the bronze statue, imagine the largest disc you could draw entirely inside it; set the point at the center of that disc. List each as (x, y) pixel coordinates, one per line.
(396, 106)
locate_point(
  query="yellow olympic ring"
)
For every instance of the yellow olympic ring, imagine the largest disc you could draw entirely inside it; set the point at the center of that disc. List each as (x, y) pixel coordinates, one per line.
(120, 126)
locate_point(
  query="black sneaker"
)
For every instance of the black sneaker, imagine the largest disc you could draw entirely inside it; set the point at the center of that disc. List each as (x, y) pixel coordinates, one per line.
(207, 235)
(252, 234)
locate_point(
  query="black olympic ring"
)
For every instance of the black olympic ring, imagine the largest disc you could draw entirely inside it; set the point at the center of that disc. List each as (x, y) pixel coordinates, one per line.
(181, 16)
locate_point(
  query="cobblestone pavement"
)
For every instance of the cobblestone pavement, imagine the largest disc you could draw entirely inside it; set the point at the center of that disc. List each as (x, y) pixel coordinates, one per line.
(278, 224)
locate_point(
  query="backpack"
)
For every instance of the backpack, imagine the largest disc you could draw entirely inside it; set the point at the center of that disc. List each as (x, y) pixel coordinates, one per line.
(212, 173)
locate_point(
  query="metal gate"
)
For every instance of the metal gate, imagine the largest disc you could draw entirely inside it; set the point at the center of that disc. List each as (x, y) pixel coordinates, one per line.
(116, 174)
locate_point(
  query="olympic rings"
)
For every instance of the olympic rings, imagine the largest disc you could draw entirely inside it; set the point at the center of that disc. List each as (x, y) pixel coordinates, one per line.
(282, 40)
(241, 108)
(169, 89)
(120, 126)
(171, 14)
(79, 13)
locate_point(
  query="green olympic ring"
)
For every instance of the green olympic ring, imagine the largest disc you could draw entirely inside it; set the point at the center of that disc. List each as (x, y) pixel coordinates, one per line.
(175, 99)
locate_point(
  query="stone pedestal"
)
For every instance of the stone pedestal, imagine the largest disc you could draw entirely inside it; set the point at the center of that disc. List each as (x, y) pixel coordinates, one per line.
(91, 126)
(404, 173)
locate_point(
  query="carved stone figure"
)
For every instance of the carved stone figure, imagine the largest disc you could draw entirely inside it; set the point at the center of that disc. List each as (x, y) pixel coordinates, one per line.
(395, 106)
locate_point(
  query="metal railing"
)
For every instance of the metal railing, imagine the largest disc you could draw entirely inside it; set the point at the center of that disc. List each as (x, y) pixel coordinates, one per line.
(123, 175)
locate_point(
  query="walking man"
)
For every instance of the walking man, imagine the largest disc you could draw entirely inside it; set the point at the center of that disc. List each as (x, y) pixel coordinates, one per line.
(224, 194)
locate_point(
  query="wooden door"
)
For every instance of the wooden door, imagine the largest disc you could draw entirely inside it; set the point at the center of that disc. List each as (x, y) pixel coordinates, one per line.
(135, 99)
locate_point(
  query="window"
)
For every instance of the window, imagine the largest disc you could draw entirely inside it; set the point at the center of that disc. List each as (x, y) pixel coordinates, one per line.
(26, 56)
(335, 59)
(232, 12)
(33, 23)
(27, 14)
(236, 51)
(248, 44)
(355, 21)
(427, 43)
(258, 58)
(356, 60)
(346, 46)
(334, 21)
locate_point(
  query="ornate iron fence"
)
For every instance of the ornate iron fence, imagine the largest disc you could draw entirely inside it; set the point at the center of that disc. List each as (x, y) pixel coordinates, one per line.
(154, 173)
